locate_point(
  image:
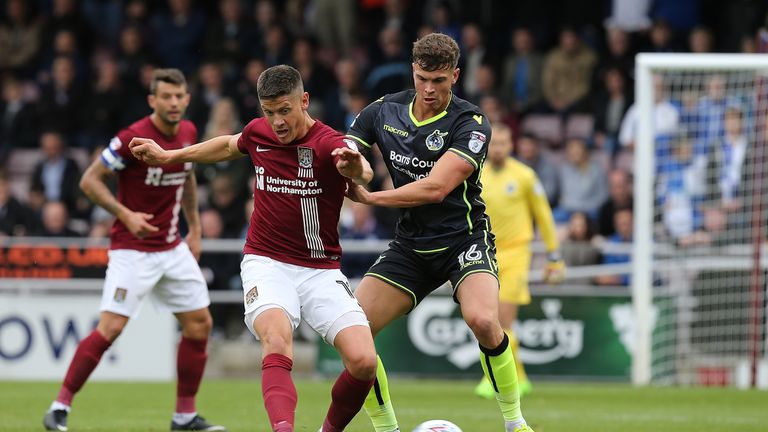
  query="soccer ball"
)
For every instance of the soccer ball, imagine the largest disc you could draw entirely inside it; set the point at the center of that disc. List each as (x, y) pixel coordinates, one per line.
(437, 426)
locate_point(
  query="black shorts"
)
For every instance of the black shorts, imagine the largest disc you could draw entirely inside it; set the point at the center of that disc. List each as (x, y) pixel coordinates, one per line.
(418, 272)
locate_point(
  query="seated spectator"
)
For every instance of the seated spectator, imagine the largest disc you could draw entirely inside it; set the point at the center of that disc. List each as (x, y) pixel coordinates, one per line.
(55, 221)
(16, 219)
(567, 73)
(61, 100)
(359, 224)
(223, 197)
(104, 105)
(220, 271)
(624, 226)
(666, 117)
(229, 37)
(210, 90)
(577, 247)
(56, 177)
(700, 40)
(177, 34)
(618, 55)
(393, 72)
(582, 182)
(619, 197)
(18, 127)
(529, 153)
(679, 191)
(474, 54)
(521, 79)
(246, 94)
(20, 38)
(336, 103)
(612, 102)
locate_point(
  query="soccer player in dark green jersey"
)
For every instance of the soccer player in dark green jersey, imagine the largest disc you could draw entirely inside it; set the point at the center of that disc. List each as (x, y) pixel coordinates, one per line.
(434, 145)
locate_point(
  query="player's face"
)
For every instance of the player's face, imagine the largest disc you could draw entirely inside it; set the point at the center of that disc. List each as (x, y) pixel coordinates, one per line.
(286, 115)
(433, 88)
(169, 102)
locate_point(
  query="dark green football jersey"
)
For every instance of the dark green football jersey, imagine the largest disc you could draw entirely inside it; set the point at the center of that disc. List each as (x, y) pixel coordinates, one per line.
(411, 148)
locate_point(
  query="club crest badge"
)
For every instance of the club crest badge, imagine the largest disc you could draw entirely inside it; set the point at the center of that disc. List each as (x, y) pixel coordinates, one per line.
(435, 140)
(305, 157)
(120, 295)
(476, 141)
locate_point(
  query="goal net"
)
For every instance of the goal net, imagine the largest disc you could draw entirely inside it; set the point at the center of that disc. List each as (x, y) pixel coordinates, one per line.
(700, 219)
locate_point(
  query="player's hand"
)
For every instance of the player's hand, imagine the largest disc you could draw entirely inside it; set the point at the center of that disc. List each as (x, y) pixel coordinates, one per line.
(349, 163)
(137, 224)
(194, 243)
(554, 271)
(357, 193)
(148, 151)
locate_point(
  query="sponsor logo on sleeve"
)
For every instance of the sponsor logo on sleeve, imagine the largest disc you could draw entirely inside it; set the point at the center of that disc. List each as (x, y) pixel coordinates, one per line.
(476, 141)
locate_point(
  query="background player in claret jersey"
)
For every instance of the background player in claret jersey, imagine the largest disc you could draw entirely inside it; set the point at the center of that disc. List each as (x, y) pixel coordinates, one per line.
(290, 269)
(434, 145)
(147, 255)
(514, 198)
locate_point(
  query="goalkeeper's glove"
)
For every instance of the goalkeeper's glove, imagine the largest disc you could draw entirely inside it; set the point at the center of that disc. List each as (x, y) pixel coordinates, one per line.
(554, 271)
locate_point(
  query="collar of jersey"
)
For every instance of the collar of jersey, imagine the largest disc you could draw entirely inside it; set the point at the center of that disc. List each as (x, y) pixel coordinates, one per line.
(431, 119)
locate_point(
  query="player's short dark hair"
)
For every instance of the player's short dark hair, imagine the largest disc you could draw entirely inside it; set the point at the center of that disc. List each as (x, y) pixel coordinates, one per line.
(278, 81)
(170, 76)
(436, 51)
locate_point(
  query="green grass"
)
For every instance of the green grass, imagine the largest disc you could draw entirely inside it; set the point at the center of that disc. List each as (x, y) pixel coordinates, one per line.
(552, 407)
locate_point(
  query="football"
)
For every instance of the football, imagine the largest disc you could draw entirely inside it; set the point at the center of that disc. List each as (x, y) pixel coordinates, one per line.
(437, 426)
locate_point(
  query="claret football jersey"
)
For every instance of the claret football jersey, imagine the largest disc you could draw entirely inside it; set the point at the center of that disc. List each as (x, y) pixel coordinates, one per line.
(411, 148)
(155, 190)
(298, 195)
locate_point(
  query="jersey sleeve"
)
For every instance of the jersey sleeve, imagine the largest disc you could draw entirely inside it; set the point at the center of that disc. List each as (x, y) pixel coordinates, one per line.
(363, 129)
(242, 142)
(471, 139)
(542, 213)
(117, 155)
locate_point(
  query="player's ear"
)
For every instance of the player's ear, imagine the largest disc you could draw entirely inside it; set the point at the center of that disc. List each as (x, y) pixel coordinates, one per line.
(151, 101)
(305, 101)
(455, 75)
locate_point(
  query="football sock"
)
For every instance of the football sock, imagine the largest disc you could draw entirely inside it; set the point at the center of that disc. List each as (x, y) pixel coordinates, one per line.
(378, 405)
(499, 367)
(190, 364)
(347, 396)
(183, 418)
(278, 390)
(515, 345)
(87, 357)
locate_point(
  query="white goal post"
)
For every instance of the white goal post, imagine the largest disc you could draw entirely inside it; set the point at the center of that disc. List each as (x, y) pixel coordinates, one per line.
(691, 319)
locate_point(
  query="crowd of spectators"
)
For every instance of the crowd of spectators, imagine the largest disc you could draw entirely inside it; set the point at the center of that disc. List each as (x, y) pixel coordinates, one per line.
(560, 73)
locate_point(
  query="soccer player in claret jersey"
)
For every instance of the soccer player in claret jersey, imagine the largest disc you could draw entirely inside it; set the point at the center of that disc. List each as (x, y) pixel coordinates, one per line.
(147, 255)
(434, 145)
(290, 269)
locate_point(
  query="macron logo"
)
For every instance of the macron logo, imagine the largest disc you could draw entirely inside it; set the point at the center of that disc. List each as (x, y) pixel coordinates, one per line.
(259, 149)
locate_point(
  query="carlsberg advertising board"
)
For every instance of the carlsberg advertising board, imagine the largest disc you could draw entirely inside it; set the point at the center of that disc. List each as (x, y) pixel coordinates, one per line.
(576, 336)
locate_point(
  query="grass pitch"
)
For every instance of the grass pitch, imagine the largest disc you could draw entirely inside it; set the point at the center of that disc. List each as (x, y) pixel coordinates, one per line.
(576, 407)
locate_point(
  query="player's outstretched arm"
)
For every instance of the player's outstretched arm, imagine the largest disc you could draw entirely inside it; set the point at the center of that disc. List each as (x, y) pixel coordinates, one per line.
(351, 164)
(93, 183)
(221, 148)
(449, 172)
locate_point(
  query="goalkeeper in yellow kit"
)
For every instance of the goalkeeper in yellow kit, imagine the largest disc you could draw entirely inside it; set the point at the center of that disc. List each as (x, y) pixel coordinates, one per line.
(514, 199)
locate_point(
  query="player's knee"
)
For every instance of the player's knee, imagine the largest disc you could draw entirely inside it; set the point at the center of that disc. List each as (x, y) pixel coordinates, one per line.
(482, 326)
(362, 365)
(273, 342)
(110, 329)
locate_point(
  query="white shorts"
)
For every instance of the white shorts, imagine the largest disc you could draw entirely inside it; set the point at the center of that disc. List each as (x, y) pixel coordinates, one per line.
(321, 297)
(172, 277)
